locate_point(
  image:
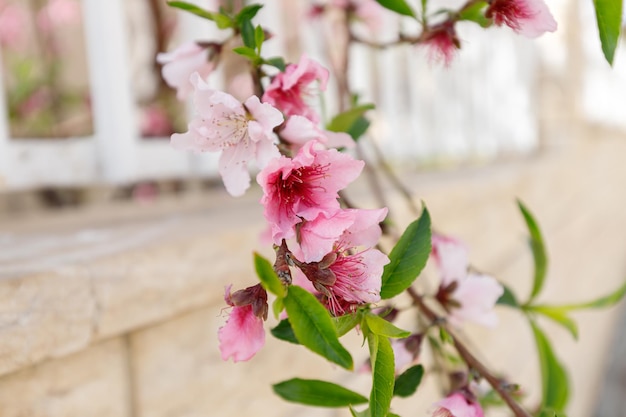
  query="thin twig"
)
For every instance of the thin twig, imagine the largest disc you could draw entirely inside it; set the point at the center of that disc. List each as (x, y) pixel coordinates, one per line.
(468, 357)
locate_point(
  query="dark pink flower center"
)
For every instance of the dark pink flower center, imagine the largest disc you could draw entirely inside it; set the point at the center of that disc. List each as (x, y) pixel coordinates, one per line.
(302, 185)
(508, 12)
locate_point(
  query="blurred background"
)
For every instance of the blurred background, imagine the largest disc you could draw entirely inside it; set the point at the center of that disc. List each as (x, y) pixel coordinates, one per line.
(115, 248)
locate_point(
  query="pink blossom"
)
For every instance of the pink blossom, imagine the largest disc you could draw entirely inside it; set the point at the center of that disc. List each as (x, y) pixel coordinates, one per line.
(450, 254)
(155, 122)
(288, 89)
(243, 132)
(58, 13)
(298, 130)
(457, 405)
(13, 19)
(350, 274)
(304, 187)
(243, 336)
(530, 18)
(318, 236)
(442, 42)
(466, 296)
(406, 351)
(180, 64)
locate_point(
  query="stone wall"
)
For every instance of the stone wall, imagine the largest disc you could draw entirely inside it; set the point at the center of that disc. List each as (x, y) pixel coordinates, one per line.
(113, 311)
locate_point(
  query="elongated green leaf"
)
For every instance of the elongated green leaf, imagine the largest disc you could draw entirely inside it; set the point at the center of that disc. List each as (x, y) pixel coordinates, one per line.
(609, 18)
(398, 6)
(268, 277)
(259, 37)
(318, 393)
(382, 327)
(554, 381)
(314, 328)
(382, 360)
(476, 13)
(222, 21)
(247, 52)
(558, 315)
(283, 331)
(350, 121)
(277, 62)
(539, 251)
(248, 13)
(508, 298)
(408, 381)
(364, 413)
(347, 322)
(408, 257)
(605, 301)
(247, 34)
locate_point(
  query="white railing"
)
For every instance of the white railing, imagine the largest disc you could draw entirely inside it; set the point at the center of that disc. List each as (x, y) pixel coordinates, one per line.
(482, 106)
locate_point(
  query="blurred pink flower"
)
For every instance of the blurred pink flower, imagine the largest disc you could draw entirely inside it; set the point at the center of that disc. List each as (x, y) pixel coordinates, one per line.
(304, 187)
(288, 89)
(466, 296)
(298, 130)
(13, 19)
(58, 13)
(442, 43)
(155, 122)
(180, 64)
(530, 18)
(457, 405)
(243, 132)
(243, 335)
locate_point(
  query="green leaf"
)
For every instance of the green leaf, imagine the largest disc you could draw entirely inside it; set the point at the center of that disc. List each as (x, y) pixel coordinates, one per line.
(347, 322)
(555, 385)
(317, 393)
(247, 52)
(314, 328)
(476, 13)
(350, 121)
(247, 13)
(277, 62)
(398, 6)
(609, 18)
(383, 371)
(221, 20)
(382, 327)
(408, 381)
(269, 279)
(539, 251)
(508, 298)
(364, 413)
(259, 37)
(247, 34)
(558, 315)
(358, 128)
(277, 306)
(283, 331)
(606, 301)
(408, 257)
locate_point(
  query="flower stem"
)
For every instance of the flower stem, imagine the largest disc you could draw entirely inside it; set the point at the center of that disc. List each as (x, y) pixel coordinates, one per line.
(468, 357)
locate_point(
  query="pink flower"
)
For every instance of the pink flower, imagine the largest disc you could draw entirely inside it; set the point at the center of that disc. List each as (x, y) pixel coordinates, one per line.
(299, 130)
(155, 122)
(13, 19)
(304, 187)
(530, 18)
(466, 296)
(371, 13)
(457, 405)
(242, 132)
(243, 336)
(442, 42)
(351, 275)
(180, 64)
(58, 13)
(406, 351)
(288, 89)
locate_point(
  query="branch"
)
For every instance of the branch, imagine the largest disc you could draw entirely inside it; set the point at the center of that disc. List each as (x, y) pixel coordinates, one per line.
(469, 359)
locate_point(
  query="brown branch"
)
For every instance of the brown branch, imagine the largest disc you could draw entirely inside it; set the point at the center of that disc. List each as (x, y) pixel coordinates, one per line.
(468, 357)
